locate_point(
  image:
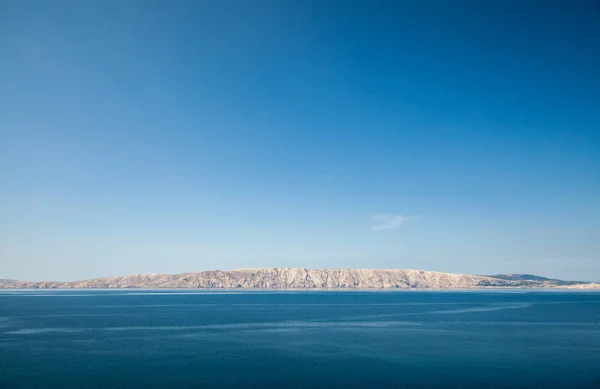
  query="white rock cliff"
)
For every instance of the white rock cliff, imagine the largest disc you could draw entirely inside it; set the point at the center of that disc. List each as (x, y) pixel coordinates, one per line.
(301, 278)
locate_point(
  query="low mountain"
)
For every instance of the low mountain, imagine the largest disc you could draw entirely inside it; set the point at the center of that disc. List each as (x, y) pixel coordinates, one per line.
(531, 277)
(301, 278)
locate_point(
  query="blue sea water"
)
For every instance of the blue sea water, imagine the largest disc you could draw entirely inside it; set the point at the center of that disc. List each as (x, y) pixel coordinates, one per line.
(231, 339)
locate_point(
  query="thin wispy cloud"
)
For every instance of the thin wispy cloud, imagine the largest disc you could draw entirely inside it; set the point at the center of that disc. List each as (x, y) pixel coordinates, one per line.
(387, 221)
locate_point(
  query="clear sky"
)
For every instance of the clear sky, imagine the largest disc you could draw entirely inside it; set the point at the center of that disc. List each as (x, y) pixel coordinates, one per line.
(172, 136)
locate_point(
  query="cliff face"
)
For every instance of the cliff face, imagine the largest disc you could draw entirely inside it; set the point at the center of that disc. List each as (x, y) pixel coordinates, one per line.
(300, 278)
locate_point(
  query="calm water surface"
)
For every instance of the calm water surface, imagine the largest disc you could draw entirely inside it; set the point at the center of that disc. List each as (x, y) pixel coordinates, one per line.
(202, 339)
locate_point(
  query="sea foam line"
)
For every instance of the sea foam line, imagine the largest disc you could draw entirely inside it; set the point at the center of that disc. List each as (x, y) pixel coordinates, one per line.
(227, 326)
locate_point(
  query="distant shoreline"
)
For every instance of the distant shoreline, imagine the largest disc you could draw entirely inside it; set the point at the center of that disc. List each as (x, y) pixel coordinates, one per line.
(341, 290)
(295, 279)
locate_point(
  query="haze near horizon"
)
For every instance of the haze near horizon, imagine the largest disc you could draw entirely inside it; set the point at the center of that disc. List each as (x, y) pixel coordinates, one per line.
(167, 137)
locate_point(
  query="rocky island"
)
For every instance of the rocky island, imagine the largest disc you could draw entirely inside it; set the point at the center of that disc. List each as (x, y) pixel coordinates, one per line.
(302, 278)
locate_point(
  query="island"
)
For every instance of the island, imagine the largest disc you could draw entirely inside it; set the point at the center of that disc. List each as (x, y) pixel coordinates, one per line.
(302, 278)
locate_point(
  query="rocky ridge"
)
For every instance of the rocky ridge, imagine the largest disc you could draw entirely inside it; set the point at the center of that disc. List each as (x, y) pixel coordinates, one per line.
(301, 278)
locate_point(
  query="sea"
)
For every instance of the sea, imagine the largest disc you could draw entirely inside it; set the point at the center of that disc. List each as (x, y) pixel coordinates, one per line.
(71, 339)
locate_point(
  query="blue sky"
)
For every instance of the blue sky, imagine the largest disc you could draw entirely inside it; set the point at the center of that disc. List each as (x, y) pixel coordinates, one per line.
(154, 136)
